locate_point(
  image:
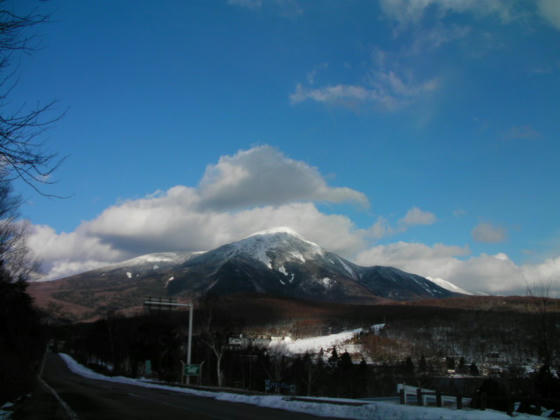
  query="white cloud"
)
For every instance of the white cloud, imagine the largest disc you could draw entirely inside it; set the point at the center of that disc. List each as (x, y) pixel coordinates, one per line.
(250, 191)
(263, 175)
(412, 11)
(488, 233)
(416, 216)
(496, 274)
(380, 229)
(407, 12)
(425, 40)
(386, 90)
(550, 11)
(413, 217)
(387, 86)
(161, 224)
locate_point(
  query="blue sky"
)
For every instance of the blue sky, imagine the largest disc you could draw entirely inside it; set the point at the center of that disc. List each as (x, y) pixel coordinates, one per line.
(421, 134)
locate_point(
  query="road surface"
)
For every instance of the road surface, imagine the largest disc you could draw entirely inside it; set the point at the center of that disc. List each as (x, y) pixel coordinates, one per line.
(96, 400)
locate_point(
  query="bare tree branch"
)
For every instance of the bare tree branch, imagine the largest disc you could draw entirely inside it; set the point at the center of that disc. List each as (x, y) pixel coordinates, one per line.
(22, 153)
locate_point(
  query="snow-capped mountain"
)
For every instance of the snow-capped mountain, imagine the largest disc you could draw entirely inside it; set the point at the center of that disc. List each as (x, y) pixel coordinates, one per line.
(280, 262)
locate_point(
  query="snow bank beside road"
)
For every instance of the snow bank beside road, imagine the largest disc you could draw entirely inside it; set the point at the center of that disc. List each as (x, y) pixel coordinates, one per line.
(370, 410)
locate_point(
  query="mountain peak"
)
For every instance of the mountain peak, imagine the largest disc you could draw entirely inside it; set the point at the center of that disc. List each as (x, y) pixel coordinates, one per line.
(278, 229)
(281, 231)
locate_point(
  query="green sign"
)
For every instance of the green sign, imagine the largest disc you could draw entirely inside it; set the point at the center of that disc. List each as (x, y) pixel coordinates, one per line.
(192, 370)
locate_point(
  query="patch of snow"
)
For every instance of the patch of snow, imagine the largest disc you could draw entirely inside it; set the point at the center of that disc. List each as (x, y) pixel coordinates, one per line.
(297, 255)
(282, 269)
(287, 230)
(169, 280)
(448, 285)
(274, 243)
(291, 279)
(327, 282)
(375, 410)
(155, 267)
(283, 283)
(348, 269)
(5, 415)
(159, 257)
(376, 328)
(129, 274)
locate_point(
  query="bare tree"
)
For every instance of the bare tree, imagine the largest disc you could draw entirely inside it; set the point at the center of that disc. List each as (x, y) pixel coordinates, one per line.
(215, 332)
(21, 150)
(546, 325)
(22, 154)
(13, 251)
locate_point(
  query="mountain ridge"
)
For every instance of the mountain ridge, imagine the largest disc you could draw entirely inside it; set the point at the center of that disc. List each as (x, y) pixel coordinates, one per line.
(277, 262)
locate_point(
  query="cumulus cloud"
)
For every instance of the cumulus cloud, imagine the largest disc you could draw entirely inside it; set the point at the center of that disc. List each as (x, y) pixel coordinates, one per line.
(252, 190)
(416, 216)
(496, 274)
(488, 233)
(161, 224)
(263, 175)
(413, 217)
(380, 229)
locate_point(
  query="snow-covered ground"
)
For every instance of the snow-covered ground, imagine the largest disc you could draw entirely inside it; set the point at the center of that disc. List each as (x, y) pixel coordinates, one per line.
(370, 410)
(315, 344)
(5, 411)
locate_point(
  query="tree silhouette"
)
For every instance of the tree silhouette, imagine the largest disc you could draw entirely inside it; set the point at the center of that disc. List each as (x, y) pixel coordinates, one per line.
(21, 151)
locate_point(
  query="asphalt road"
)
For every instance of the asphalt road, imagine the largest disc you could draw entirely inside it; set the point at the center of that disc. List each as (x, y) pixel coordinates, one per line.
(96, 400)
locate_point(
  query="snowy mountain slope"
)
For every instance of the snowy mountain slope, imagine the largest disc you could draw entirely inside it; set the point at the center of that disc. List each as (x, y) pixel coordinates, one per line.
(277, 263)
(144, 265)
(448, 285)
(280, 262)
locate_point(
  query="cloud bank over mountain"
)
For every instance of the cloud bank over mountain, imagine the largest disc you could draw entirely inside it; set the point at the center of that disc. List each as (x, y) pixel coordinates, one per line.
(261, 188)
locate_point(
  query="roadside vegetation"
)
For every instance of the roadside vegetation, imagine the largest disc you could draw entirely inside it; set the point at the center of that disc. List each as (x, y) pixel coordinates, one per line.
(453, 350)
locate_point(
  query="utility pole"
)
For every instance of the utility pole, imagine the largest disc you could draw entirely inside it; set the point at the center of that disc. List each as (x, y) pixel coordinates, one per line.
(189, 340)
(169, 304)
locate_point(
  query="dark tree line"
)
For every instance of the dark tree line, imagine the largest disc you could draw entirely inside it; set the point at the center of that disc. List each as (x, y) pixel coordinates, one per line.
(21, 338)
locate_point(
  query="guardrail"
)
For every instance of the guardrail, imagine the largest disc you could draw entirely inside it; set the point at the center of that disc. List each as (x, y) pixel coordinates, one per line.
(423, 397)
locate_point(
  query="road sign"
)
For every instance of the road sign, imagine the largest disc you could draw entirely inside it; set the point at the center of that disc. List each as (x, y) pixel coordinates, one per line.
(192, 370)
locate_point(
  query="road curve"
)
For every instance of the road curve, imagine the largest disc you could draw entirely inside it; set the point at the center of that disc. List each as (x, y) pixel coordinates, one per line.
(96, 400)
